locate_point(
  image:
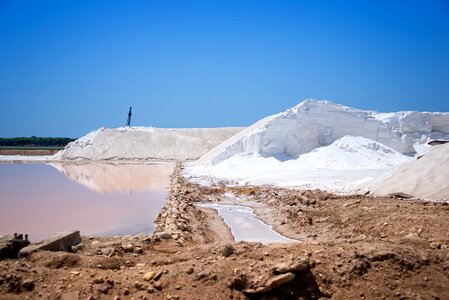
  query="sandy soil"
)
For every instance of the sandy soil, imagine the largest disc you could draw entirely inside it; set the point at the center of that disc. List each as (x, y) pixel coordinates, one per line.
(353, 247)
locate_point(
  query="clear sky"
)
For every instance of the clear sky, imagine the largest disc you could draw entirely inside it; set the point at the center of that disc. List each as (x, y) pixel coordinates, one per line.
(68, 67)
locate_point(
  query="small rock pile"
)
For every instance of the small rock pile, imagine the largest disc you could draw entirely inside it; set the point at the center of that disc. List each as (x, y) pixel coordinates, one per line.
(171, 223)
(265, 278)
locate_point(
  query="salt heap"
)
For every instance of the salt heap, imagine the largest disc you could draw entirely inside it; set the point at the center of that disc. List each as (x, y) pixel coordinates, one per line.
(340, 167)
(313, 123)
(145, 143)
(320, 144)
(427, 177)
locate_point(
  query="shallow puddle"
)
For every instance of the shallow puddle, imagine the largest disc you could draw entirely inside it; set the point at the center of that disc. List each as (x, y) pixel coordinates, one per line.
(97, 199)
(245, 226)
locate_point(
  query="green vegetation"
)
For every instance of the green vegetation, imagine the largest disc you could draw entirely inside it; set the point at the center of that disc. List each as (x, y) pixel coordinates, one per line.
(35, 142)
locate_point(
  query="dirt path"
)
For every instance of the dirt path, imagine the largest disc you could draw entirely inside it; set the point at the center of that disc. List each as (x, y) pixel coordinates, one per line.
(352, 248)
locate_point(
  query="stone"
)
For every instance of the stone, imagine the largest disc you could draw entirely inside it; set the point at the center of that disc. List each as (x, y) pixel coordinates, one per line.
(157, 286)
(150, 290)
(148, 276)
(96, 243)
(28, 284)
(139, 286)
(202, 275)
(157, 275)
(104, 289)
(190, 270)
(11, 245)
(163, 235)
(128, 247)
(299, 266)
(272, 283)
(98, 280)
(61, 241)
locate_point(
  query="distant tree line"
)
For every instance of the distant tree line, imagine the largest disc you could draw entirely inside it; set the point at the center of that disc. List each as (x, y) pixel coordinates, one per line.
(35, 141)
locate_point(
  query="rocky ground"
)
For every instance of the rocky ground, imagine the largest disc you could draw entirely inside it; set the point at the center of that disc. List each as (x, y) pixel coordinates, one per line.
(354, 247)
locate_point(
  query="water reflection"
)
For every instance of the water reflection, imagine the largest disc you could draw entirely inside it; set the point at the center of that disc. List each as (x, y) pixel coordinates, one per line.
(110, 199)
(108, 177)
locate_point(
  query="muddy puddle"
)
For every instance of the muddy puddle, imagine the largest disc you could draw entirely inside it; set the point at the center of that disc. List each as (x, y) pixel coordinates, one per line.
(97, 199)
(245, 226)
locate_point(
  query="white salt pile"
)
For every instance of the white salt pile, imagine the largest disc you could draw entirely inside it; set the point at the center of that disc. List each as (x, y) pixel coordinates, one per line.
(340, 167)
(313, 123)
(427, 177)
(145, 143)
(320, 144)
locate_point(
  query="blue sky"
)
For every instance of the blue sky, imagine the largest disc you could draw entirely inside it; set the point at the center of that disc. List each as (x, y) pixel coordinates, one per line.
(68, 67)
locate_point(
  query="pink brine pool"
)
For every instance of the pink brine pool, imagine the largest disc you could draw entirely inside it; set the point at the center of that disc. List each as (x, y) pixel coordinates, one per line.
(97, 199)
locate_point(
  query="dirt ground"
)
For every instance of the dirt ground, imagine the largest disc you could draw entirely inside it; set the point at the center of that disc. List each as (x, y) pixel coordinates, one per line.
(353, 247)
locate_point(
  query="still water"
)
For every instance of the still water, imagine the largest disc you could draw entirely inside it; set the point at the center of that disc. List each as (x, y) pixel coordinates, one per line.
(97, 199)
(245, 226)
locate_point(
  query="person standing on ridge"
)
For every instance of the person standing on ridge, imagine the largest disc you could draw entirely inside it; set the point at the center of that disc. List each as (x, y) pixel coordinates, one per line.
(128, 123)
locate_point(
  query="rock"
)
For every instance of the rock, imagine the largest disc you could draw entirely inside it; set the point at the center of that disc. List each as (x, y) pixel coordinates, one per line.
(28, 284)
(96, 243)
(62, 241)
(128, 247)
(238, 283)
(98, 280)
(148, 276)
(150, 290)
(157, 286)
(104, 289)
(299, 266)
(157, 275)
(272, 283)
(107, 251)
(202, 275)
(139, 286)
(11, 245)
(163, 235)
(190, 270)
(126, 292)
(400, 195)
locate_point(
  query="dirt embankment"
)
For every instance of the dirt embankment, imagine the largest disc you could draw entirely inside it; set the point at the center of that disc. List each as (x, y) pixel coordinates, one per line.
(28, 152)
(352, 248)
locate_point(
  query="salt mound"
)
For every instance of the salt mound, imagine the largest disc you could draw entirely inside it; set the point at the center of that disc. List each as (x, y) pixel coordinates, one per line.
(312, 124)
(340, 167)
(351, 152)
(427, 177)
(146, 143)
